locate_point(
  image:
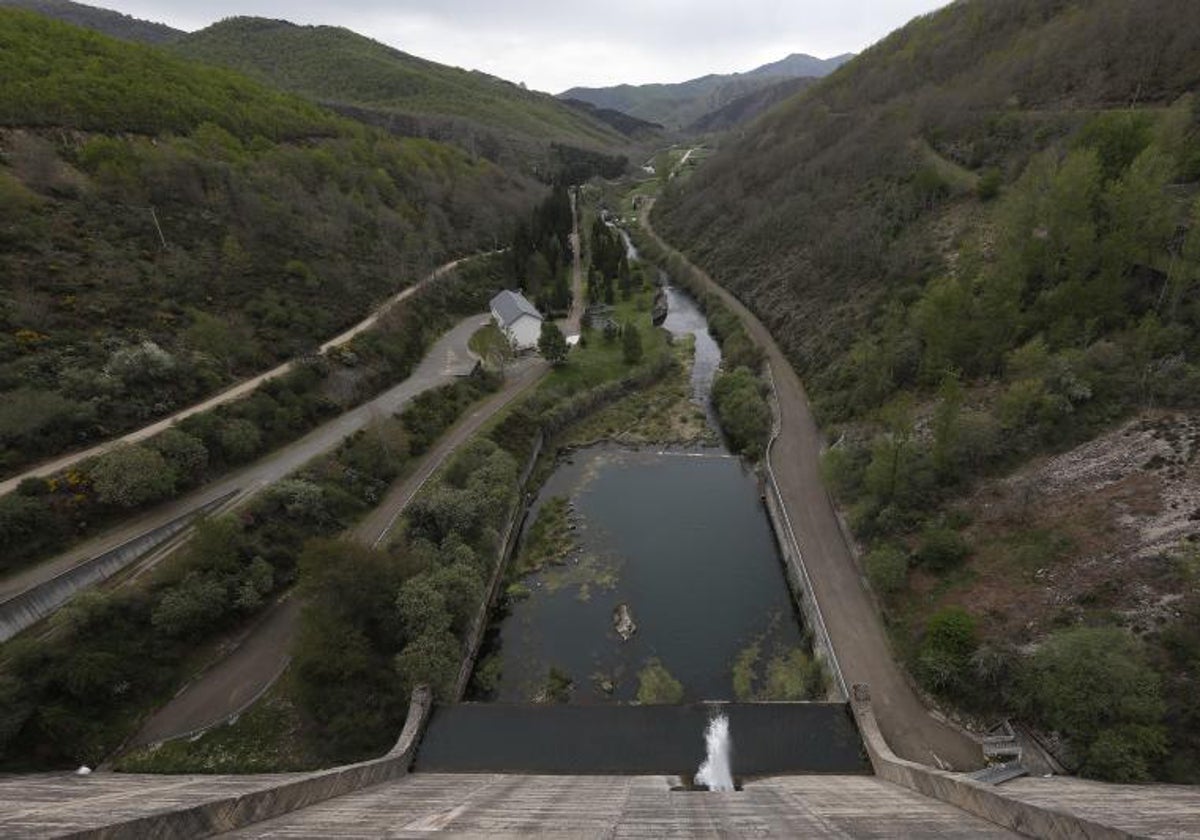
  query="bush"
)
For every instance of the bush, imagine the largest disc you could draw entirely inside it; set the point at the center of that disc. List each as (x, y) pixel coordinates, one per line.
(743, 412)
(1095, 686)
(942, 549)
(130, 476)
(945, 655)
(887, 569)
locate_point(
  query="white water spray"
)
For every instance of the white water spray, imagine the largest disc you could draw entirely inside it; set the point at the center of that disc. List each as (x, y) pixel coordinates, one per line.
(715, 772)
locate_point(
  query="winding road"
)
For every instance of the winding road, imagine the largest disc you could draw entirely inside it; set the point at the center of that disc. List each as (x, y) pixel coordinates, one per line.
(235, 682)
(449, 358)
(854, 625)
(241, 389)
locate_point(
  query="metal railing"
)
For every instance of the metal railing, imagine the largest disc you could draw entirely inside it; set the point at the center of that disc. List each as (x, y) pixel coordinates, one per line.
(806, 581)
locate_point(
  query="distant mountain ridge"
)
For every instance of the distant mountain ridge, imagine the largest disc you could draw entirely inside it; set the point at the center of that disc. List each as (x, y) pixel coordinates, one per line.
(799, 65)
(747, 108)
(105, 21)
(677, 106)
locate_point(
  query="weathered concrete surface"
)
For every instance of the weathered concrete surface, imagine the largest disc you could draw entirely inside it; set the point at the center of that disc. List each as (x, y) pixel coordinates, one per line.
(1140, 810)
(854, 625)
(38, 601)
(107, 806)
(628, 807)
(1053, 808)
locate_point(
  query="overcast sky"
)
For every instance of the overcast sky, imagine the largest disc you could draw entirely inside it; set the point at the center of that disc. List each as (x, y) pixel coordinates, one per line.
(552, 45)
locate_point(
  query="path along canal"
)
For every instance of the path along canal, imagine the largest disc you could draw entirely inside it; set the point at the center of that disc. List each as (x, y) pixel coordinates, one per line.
(677, 542)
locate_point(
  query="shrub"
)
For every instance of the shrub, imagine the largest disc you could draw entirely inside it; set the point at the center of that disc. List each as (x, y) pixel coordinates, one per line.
(743, 412)
(887, 568)
(130, 476)
(942, 549)
(1095, 686)
(944, 658)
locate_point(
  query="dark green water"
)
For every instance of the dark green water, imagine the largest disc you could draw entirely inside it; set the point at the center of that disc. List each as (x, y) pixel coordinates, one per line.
(683, 541)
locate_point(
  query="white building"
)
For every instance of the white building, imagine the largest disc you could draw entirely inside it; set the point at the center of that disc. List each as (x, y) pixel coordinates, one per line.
(518, 319)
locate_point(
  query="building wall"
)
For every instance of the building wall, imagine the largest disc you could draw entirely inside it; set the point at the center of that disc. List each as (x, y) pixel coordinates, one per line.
(525, 332)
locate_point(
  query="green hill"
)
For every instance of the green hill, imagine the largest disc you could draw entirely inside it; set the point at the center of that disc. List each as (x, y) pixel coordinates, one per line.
(341, 68)
(979, 243)
(167, 227)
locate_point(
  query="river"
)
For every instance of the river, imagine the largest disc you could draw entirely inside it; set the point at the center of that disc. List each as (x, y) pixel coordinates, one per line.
(681, 541)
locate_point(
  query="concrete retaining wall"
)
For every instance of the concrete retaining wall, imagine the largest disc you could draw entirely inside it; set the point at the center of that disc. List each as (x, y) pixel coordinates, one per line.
(233, 812)
(39, 601)
(516, 519)
(793, 558)
(975, 798)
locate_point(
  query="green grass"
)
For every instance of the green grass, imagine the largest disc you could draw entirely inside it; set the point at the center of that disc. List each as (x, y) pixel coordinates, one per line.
(601, 361)
(549, 538)
(490, 345)
(267, 738)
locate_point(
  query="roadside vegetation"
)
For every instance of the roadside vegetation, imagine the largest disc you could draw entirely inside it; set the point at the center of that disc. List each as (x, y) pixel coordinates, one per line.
(965, 289)
(76, 689)
(45, 516)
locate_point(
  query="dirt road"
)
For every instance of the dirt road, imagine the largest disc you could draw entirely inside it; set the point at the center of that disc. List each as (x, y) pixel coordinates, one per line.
(239, 390)
(572, 326)
(261, 657)
(448, 358)
(855, 628)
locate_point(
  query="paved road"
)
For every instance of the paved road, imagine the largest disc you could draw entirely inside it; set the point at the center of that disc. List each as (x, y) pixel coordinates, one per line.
(448, 358)
(855, 628)
(239, 390)
(261, 657)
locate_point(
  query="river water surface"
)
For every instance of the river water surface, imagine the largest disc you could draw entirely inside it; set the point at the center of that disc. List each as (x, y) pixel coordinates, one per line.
(680, 539)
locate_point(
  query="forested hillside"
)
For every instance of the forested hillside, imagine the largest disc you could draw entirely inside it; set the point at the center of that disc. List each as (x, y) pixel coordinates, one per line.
(167, 227)
(105, 21)
(979, 243)
(679, 105)
(490, 117)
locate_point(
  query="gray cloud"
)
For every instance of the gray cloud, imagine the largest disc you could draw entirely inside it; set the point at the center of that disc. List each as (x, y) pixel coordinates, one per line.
(555, 45)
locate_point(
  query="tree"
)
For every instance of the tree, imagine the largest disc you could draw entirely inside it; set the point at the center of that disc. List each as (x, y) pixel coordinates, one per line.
(132, 475)
(631, 344)
(552, 344)
(1094, 685)
(186, 454)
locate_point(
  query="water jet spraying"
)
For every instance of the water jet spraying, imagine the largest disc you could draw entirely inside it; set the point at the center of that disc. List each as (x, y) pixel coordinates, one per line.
(715, 773)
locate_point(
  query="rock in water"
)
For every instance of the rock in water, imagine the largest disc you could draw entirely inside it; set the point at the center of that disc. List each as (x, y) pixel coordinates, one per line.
(623, 622)
(658, 313)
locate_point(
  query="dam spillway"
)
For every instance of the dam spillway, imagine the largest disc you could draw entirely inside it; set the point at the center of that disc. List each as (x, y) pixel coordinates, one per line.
(768, 739)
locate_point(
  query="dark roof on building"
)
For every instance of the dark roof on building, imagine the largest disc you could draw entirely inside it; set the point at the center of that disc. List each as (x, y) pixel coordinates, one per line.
(510, 306)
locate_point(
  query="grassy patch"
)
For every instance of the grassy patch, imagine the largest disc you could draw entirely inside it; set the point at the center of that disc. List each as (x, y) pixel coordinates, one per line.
(268, 738)
(549, 539)
(656, 686)
(662, 413)
(745, 668)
